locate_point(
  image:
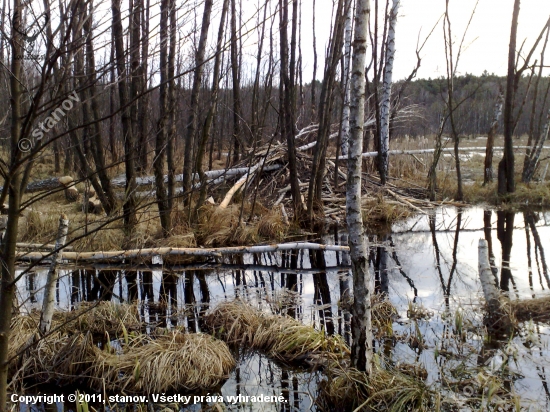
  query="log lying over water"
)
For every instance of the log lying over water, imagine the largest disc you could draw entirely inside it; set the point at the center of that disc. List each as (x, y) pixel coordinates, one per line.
(171, 251)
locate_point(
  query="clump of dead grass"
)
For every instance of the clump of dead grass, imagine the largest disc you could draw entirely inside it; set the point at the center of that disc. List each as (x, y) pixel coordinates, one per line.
(380, 209)
(221, 227)
(39, 227)
(272, 225)
(383, 315)
(280, 337)
(530, 309)
(129, 360)
(390, 389)
(99, 318)
(171, 362)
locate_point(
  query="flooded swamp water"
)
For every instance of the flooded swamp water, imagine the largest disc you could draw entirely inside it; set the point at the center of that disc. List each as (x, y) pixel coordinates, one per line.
(426, 265)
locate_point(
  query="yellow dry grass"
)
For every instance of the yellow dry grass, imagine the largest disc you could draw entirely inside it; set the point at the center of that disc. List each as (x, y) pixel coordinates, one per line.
(127, 361)
(167, 363)
(347, 388)
(280, 337)
(535, 309)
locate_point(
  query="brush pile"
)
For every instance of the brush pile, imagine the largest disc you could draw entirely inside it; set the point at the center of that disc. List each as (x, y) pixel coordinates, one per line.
(280, 337)
(102, 344)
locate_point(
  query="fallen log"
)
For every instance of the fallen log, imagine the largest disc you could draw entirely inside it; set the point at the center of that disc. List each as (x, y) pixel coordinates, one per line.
(49, 184)
(170, 251)
(211, 175)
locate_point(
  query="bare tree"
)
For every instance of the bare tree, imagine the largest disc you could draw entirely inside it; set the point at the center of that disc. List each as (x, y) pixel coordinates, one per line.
(384, 145)
(194, 103)
(362, 281)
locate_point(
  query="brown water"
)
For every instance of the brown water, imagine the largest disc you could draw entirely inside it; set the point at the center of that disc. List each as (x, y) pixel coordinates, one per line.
(431, 261)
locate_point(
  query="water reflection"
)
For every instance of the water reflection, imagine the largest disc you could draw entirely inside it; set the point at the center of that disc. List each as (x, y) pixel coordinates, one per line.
(429, 260)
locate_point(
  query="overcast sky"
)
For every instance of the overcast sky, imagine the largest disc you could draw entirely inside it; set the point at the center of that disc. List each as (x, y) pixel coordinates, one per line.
(486, 43)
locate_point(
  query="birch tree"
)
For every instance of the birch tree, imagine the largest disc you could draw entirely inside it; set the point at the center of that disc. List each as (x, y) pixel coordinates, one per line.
(386, 95)
(488, 172)
(344, 145)
(361, 351)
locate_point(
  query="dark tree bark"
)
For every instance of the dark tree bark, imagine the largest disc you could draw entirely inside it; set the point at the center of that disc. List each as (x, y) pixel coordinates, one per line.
(192, 121)
(207, 127)
(129, 207)
(506, 183)
(239, 144)
(288, 102)
(12, 185)
(326, 101)
(161, 140)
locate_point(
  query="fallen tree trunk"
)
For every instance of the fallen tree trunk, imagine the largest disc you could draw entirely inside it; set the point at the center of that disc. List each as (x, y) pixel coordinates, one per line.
(49, 184)
(211, 175)
(169, 251)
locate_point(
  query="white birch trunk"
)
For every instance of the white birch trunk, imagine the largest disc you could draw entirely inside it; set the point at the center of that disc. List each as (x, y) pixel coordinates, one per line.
(48, 303)
(386, 93)
(344, 143)
(361, 325)
(487, 278)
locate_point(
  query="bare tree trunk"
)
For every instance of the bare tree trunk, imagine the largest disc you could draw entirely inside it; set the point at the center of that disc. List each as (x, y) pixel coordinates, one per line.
(136, 77)
(12, 185)
(161, 140)
(129, 207)
(361, 326)
(288, 106)
(238, 142)
(194, 104)
(325, 111)
(107, 196)
(144, 100)
(344, 143)
(207, 127)
(386, 96)
(314, 79)
(112, 109)
(488, 172)
(506, 183)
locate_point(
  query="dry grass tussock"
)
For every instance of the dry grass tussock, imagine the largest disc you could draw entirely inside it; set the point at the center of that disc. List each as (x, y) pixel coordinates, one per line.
(389, 389)
(220, 227)
(382, 210)
(280, 337)
(530, 309)
(165, 363)
(105, 342)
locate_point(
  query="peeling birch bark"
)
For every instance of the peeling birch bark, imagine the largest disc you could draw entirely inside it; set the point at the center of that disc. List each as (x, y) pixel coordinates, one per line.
(386, 95)
(344, 144)
(361, 324)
